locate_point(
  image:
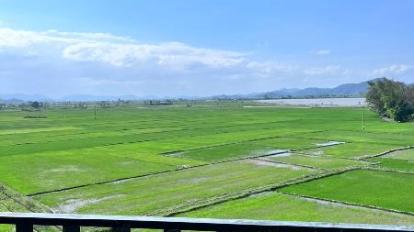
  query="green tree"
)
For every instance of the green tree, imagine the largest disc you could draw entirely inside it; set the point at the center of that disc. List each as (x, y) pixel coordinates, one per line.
(36, 104)
(391, 99)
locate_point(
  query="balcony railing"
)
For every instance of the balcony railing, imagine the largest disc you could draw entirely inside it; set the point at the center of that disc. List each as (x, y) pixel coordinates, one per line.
(25, 222)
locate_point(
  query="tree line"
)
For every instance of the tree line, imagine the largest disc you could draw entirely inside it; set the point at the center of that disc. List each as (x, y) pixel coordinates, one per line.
(391, 99)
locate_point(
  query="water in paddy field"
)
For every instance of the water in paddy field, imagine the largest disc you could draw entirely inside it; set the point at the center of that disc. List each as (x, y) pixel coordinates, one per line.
(319, 102)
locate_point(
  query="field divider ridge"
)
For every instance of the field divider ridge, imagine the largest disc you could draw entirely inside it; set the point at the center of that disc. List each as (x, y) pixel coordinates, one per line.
(379, 169)
(386, 152)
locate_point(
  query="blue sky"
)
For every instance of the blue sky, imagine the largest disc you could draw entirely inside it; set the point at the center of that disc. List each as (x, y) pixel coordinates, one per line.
(200, 47)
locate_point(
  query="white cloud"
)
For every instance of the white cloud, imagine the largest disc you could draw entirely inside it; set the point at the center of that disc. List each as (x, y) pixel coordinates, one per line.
(117, 51)
(323, 52)
(173, 55)
(326, 70)
(391, 70)
(60, 63)
(269, 67)
(22, 38)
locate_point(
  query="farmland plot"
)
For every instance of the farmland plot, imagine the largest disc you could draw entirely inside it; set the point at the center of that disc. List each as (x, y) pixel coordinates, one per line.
(398, 161)
(353, 150)
(278, 206)
(170, 192)
(320, 162)
(388, 190)
(171, 159)
(68, 169)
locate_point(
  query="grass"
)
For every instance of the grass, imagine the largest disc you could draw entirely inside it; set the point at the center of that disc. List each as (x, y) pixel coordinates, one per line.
(277, 206)
(387, 190)
(11, 201)
(9, 205)
(49, 171)
(174, 191)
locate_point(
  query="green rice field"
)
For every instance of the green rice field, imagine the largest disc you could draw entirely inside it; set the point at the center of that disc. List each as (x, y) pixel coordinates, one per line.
(213, 159)
(388, 190)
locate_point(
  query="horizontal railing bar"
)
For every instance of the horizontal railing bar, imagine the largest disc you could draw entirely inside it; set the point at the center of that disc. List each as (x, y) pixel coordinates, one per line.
(176, 223)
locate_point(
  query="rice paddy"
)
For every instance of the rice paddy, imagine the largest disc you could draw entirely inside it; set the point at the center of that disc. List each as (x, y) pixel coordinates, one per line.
(214, 159)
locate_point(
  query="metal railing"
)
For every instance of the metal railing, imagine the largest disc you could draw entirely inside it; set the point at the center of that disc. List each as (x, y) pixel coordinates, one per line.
(25, 222)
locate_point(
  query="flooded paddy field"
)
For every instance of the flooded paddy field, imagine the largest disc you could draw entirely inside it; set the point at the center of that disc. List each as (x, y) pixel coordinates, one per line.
(211, 159)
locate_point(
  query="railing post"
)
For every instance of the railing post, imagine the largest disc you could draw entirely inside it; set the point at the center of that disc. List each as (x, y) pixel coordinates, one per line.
(121, 229)
(24, 227)
(71, 228)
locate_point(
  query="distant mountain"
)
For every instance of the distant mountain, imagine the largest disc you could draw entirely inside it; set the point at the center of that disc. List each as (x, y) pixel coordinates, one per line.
(344, 90)
(92, 98)
(19, 98)
(23, 97)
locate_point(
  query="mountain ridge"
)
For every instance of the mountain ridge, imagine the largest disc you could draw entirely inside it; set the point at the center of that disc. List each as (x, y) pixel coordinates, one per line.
(343, 90)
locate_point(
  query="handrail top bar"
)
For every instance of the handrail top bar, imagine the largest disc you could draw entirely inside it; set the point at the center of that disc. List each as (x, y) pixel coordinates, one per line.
(183, 223)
